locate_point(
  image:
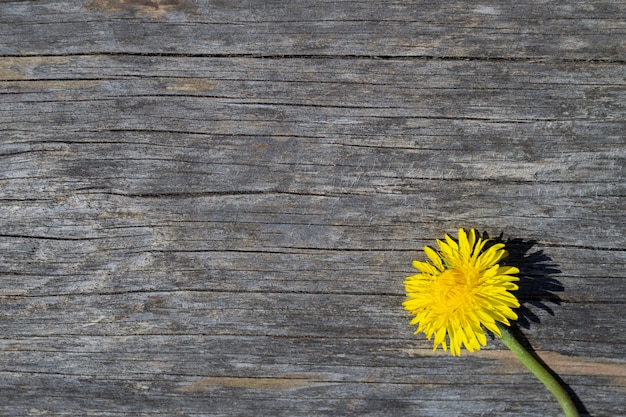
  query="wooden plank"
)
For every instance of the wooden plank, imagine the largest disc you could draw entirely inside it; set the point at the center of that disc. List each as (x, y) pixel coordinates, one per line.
(210, 210)
(172, 370)
(544, 30)
(279, 314)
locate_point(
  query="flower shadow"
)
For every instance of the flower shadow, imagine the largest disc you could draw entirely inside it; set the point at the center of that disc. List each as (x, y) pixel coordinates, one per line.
(538, 286)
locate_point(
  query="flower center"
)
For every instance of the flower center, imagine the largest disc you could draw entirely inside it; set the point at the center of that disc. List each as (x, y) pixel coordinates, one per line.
(453, 287)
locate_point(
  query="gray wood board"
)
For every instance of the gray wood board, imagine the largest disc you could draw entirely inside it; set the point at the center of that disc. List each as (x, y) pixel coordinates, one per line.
(209, 210)
(555, 29)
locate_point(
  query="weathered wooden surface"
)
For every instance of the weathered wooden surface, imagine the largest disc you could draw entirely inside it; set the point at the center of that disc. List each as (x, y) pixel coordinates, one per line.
(208, 209)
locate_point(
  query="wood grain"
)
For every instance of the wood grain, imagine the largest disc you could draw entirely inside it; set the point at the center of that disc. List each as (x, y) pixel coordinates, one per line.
(209, 208)
(539, 30)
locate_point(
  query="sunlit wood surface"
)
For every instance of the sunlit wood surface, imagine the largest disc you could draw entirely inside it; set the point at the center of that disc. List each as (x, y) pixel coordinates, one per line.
(208, 208)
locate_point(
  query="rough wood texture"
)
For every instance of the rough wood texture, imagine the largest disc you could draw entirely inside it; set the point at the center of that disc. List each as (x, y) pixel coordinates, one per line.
(209, 208)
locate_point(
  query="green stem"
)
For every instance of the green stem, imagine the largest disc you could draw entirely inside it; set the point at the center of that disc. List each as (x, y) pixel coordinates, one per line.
(539, 371)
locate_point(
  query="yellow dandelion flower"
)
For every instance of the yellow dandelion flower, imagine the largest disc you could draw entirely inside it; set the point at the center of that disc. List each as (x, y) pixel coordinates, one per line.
(461, 292)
